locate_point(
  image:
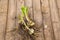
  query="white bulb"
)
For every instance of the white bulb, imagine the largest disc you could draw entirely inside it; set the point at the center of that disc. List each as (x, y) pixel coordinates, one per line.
(31, 31)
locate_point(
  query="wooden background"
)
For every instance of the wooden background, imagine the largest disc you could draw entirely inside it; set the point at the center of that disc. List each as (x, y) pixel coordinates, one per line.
(45, 13)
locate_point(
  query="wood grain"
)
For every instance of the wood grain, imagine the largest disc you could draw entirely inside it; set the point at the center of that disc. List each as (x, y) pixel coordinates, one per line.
(20, 34)
(45, 14)
(11, 20)
(3, 17)
(48, 30)
(55, 19)
(38, 20)
(58, 7)
(28, 3)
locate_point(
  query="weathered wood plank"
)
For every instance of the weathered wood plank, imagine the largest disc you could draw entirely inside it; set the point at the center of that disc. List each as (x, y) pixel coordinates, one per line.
(3, 14)
(28, 3)
(11, 20)
(55, 19)
(48, 30)
(38, 20)
(19, 36)
(58, 6)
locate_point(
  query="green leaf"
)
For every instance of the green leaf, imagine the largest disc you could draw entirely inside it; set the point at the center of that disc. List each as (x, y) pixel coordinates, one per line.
(24, 10)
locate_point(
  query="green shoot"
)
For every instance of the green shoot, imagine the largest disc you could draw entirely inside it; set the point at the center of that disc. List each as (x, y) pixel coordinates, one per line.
(25, 13)
(29, 23)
